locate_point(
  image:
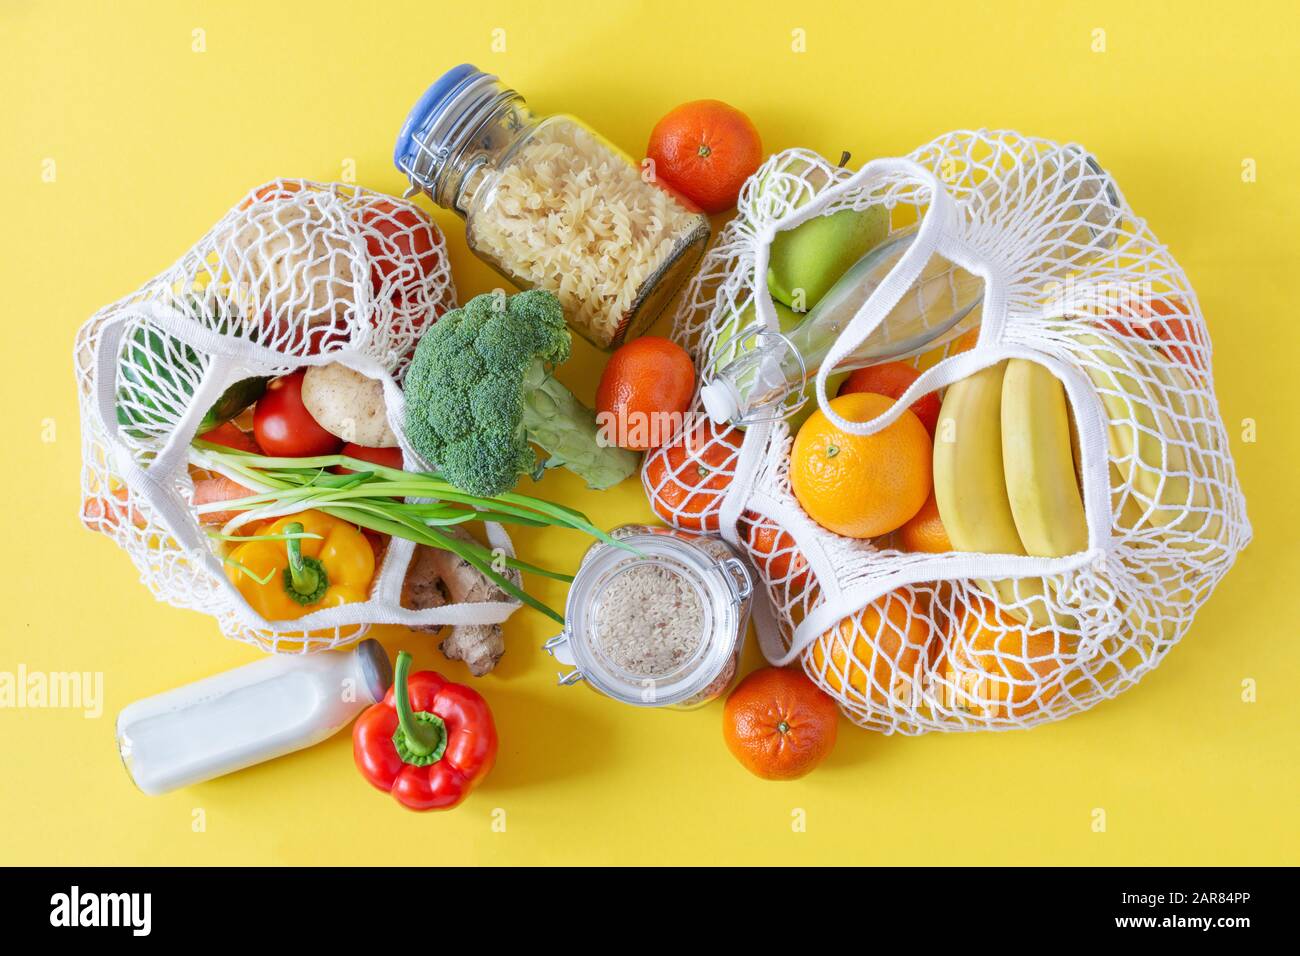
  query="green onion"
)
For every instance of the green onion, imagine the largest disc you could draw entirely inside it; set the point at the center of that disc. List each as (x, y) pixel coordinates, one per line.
(372, 497)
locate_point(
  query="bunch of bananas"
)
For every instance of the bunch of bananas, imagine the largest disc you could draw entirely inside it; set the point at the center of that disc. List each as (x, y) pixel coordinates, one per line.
(1007, 474)
(1005, 478)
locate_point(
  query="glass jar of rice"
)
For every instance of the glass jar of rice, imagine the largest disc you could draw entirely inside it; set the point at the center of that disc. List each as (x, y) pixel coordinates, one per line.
(661, 625)
(551, 204)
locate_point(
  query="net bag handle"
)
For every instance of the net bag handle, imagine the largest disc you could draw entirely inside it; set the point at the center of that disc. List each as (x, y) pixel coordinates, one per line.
(935, 226)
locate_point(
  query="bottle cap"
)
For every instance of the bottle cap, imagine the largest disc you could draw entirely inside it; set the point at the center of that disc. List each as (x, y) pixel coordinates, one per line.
(720, 401)
(376, 668)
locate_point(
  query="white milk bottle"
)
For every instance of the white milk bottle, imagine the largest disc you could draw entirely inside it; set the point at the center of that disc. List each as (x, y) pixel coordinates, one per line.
(230, 721)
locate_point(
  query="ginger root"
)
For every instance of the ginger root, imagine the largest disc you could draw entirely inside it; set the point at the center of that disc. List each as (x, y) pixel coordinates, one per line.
(436, 577)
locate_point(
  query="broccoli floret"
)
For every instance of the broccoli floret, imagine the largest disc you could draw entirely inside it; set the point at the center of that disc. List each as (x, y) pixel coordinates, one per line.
(480, 389)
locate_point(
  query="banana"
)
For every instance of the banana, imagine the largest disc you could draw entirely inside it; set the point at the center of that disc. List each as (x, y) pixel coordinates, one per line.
(1161, 446)
(1006, 478)
(1038, 462)
(968, 478)
(969, 486)
(1160, 485)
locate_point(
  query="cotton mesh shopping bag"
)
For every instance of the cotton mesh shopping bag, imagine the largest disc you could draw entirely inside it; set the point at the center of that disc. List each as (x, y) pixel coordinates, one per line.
(296, 274)
(1067, 276)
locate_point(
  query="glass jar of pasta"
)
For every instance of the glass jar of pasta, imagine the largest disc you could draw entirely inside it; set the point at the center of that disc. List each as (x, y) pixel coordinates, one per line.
(551, 204)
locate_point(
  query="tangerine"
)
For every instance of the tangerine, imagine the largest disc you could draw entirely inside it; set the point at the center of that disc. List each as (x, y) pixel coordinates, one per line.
(778, 724)
(644, 391)
(875, 656)
(892, 379)
(774, 553)
(687, 478)
(705, 150)
(924, 531)
(996, 667)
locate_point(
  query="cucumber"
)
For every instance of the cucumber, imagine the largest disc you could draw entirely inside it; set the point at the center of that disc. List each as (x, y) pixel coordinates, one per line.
(233, 401)
(157, 376)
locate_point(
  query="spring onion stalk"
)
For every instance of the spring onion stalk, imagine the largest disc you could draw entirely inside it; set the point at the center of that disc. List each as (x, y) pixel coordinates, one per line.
(372, 497)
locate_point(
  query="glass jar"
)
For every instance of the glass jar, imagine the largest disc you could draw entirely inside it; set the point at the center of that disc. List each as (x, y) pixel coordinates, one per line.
(551, 204)
(659, 626)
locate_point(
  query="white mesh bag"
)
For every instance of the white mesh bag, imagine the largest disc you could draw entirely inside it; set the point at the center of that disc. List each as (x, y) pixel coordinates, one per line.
(297, 274)
(1067, 276)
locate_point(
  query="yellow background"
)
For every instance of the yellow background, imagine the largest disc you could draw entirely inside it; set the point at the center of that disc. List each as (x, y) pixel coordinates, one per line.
(152, 142)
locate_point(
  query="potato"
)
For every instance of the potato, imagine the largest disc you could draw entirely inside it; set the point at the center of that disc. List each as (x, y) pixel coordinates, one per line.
(348, 404)
(288, 259)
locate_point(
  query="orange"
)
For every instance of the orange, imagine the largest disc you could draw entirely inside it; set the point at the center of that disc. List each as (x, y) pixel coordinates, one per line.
(644, 391)
(687, 478)
(893, 379)
(705, 150)
(778, 724)
(774, 553)
(874, 656)
(924, 531)
(861, 486)
(996, 667)
(965, 342)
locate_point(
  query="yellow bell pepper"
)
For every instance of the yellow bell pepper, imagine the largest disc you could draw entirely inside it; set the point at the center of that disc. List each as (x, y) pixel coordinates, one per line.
(303, 575)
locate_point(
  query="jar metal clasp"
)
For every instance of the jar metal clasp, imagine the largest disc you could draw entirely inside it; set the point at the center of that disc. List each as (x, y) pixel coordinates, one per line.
(558, 647)
(738, 578)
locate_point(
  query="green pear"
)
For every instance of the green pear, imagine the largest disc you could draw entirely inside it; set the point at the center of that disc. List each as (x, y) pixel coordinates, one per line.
(806, 261)
(811, 257)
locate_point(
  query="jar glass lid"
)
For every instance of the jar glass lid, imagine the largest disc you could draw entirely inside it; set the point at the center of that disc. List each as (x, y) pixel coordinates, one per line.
(648, 618)
(651, 628)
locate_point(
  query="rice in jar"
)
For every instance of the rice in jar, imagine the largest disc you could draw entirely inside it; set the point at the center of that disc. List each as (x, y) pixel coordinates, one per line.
(661, 627)
(551, 204)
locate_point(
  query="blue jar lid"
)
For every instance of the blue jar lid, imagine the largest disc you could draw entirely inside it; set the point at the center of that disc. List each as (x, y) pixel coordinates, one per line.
(427, 110)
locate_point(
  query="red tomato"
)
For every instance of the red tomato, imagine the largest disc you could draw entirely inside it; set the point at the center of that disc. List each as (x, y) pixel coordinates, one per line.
(276, 189)
(400, 240)
(283, 426)
(892, 379)
(1168, 322)
(388, 457)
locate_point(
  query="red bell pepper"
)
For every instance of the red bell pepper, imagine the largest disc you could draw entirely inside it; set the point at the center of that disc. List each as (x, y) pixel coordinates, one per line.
(428, 742)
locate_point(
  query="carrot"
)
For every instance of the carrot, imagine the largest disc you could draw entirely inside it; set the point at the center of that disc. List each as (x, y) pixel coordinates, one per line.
(105, 512)
(230, 435)
(218, 488)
